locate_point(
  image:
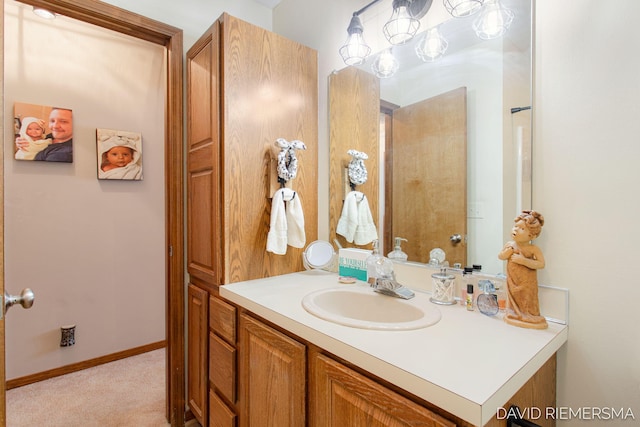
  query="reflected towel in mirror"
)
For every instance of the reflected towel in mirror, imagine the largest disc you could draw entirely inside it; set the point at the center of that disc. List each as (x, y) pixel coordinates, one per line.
(356, 222)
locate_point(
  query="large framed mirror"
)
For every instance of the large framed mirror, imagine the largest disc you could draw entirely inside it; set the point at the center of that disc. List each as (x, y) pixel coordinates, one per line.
(423, 176)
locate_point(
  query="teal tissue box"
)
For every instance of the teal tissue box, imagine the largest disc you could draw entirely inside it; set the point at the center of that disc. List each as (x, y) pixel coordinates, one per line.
(353, 263)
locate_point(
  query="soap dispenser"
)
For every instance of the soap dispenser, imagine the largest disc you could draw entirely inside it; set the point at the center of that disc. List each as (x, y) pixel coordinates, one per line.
(372, 261)
(397, 254)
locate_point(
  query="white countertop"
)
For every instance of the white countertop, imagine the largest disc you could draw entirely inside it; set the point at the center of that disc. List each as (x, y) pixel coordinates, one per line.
(468, 364)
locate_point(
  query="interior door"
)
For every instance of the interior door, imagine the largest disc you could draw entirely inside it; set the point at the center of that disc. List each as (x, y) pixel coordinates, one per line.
(429, 179)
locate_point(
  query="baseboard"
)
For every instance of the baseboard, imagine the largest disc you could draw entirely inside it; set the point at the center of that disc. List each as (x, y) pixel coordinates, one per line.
(79, 366)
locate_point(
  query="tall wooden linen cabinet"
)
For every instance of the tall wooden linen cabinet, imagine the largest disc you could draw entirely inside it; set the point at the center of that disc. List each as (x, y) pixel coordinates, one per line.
(246, 87)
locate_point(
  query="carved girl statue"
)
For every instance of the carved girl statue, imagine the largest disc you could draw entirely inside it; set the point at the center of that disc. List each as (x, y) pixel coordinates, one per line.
(523, 260)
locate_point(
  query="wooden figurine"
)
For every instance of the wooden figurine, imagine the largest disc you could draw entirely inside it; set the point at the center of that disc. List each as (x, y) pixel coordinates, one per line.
(523, 260)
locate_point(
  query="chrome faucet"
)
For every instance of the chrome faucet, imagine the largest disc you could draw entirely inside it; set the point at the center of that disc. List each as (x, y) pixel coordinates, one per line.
(389, 286)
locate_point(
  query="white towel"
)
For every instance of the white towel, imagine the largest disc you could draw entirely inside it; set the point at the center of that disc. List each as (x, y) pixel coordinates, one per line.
(366, 231)
(287, 222)
(296, 236)
(349, 218)
(356, 222)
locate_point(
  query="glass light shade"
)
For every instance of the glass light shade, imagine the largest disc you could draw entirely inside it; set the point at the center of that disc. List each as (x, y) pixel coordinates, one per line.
(402, 26)
(431, 45)
(43, 13)
(461, 8)
(355, 50)
(385, 65)
(494, 20)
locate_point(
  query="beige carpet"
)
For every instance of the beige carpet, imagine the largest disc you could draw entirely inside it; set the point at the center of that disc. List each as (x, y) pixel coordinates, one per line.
(127, 393)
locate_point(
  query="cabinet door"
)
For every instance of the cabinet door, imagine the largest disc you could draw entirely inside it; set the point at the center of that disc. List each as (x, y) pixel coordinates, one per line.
(272, 377)
(197, 341)
(204, 250)
(342, 397)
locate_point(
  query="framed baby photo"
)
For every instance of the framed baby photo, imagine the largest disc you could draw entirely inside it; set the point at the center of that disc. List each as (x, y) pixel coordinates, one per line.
(119, 154)
(43, 132)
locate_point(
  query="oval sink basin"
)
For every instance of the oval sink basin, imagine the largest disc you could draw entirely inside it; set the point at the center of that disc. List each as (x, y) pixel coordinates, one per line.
(361, 307)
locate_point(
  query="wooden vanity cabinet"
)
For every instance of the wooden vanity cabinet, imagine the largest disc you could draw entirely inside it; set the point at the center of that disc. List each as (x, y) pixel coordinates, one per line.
(342, 397)
(274, 365)
(272, 376)
(246, 87)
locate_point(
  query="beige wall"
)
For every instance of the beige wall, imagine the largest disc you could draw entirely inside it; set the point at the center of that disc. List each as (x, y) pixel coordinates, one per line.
(92, 251)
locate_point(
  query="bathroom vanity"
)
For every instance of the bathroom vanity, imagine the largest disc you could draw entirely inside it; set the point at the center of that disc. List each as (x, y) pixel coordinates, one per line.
(459, 371)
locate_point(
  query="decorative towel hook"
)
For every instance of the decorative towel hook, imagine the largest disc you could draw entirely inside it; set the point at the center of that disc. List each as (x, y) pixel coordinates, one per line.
(287, 160)
(357, 169)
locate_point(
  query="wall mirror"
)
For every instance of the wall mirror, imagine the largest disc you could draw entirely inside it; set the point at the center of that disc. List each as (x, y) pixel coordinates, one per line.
(493, 80)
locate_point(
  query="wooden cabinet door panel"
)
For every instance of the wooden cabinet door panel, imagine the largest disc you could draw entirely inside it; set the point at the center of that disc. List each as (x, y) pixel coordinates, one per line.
(219, 413)
(198, 325)
(342, 397)
(204, 258)
(272, 377)
(222, 367)
(222, 319)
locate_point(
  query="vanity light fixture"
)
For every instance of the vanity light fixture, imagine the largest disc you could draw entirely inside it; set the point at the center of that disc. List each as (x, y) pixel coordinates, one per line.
(400, 28)
(43, 13)
(494, 20)
(462, 8)
(385, 64)
(402, 25)
(431, 46)
(355, 50)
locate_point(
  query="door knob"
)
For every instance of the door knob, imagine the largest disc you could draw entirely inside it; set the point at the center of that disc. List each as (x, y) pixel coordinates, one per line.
(455, 238)
(25, 299)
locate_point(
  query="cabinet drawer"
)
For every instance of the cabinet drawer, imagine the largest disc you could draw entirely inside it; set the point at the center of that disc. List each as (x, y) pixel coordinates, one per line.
(222, 367)
(219, 413)
(222, 319)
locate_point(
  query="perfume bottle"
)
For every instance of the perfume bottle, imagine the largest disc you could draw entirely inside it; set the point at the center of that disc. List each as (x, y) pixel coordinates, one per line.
(469, 300)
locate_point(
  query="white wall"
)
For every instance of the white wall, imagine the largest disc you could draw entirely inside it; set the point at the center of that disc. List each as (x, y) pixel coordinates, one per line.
(586, 179)
(93, 251)
(195, 16)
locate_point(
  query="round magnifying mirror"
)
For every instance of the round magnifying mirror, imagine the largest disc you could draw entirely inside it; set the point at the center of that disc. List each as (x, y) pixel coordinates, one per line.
(319, 255)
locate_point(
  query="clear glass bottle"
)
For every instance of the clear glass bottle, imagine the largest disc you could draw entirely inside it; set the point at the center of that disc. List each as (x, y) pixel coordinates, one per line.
(466, 280)
(469, 299)
(372, 263)
(397, 254)
(443, 288)
(501, 291)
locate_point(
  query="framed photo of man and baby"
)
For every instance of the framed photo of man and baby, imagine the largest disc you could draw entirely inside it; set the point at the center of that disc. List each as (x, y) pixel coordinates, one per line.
(45, 133)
